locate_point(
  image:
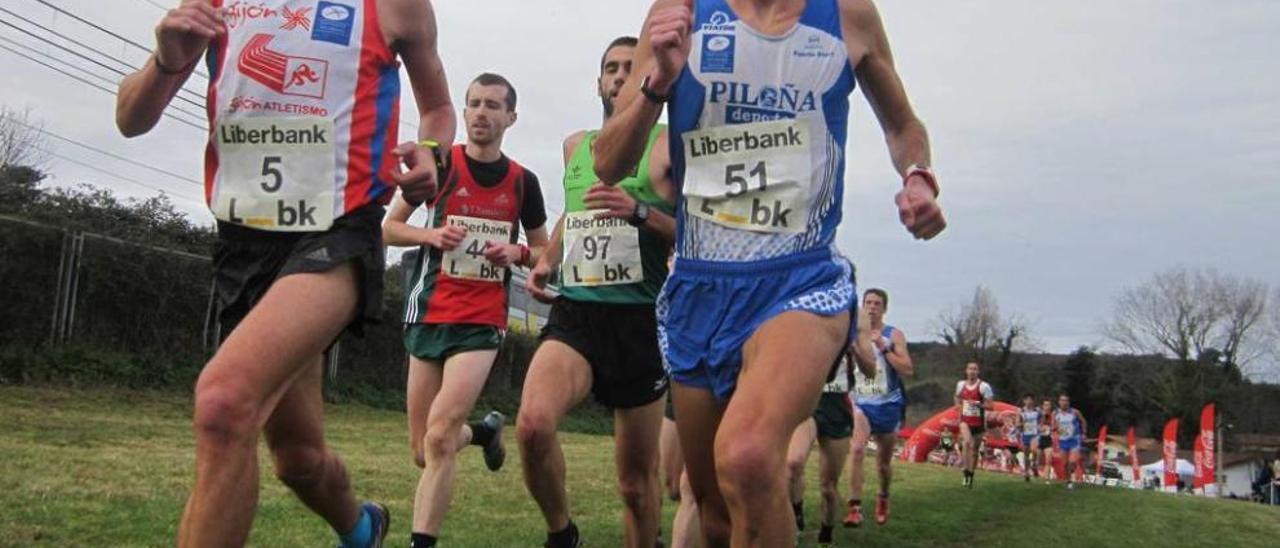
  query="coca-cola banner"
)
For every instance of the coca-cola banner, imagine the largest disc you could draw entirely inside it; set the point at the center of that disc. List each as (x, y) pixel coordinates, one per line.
(1207, 434)
(1171, 456)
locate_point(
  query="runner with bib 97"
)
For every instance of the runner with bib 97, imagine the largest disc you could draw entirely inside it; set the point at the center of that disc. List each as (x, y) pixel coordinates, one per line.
(767, 82)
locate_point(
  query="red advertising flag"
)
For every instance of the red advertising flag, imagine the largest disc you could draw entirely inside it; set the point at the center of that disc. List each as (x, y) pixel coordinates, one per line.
(1207, 437)
(1171, 456)
(1197, 482)
(1102, 450)
(1133, 459)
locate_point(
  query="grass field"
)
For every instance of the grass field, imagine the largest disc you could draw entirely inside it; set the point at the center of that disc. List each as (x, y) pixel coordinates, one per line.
(113, 468)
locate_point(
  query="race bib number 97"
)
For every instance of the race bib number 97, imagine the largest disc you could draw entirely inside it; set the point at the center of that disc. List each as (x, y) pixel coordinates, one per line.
(600, 251)
(467, 261)
(276, 173)
(750, 176)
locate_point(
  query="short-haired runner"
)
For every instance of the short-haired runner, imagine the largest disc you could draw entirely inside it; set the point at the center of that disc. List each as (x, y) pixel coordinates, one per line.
(1070, 426)
(1029, 422)
(757, 307)
(298, 198)
(456, 310)
(973, 398)
(880, 395)
(601, 339)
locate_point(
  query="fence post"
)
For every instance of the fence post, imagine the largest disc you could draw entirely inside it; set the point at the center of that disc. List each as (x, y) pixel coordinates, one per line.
(55, 331)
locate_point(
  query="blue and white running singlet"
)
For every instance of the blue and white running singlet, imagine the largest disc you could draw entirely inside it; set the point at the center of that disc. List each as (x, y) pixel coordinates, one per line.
(758, 126)
(881, 398)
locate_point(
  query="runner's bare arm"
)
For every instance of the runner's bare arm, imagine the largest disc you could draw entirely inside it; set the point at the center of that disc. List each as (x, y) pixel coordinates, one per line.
(410, 29)
(864, 349)
(906, 136)
(538, 241)
(621, 142)
(396, 230)
(908, 141)
(182, 36)
(660, 177)
(1084, 426)
(536, 282)
(900, 359)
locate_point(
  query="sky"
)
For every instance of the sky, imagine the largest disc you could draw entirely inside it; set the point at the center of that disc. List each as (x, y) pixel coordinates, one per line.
(1081, 146)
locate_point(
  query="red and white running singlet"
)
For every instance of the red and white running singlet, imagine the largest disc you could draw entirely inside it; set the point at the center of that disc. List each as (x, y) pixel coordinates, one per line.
(303, 105)
(971, 399)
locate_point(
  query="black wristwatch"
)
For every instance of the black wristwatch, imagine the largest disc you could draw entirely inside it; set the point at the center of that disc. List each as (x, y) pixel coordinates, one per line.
(651, 95)
(641, 214)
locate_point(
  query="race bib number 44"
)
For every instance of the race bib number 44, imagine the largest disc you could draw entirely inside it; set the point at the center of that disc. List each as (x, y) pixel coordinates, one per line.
(600, 251)
(467, 261)
(750, 176)
(276, 173)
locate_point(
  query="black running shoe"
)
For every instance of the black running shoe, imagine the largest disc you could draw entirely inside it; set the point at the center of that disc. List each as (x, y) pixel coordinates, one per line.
(494, 452)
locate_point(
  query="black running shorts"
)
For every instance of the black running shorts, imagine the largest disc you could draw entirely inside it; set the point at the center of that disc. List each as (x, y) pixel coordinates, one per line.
(620, 341)
(247, 261)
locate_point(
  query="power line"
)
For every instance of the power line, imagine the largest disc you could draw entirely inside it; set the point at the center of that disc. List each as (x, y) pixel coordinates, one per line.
(157, 5)
(99, 28)
(34, 51)
(122, 62)
(178, 176)
(94, 61)
(87, 82)
(118, 177)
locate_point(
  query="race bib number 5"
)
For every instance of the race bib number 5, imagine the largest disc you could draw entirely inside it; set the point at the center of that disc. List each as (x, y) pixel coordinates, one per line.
(276, 173)
(750, 176)
(467, 261)
(600, 251)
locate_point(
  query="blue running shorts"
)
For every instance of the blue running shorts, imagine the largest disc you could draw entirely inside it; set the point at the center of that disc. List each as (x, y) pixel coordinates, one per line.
(884, 418)
(707, 310)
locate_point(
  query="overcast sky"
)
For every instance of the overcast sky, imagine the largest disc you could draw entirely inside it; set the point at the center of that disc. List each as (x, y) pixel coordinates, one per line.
(1081, 146)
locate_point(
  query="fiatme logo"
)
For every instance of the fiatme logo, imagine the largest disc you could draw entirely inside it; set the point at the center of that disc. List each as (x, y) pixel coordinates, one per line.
(719, 22)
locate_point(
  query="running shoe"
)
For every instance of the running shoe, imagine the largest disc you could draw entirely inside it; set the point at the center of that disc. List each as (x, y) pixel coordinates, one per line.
(882, 510)
(494, 452)
(854, 519)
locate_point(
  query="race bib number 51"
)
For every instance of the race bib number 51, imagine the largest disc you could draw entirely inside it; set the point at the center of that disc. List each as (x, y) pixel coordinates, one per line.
(276, 173)
(600, 251)
(467, 261)
(750, 176)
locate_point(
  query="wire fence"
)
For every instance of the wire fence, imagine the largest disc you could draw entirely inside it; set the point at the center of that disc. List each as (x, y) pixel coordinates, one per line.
(61, 287)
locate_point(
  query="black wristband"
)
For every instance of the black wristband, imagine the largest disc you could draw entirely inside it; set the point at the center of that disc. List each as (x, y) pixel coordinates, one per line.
(651, 95)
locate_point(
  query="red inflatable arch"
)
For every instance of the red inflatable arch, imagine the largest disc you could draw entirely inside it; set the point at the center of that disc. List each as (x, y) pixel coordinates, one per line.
(926, 435)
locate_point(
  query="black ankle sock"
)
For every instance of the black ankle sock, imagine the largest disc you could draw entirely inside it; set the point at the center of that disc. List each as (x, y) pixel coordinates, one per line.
(564, 538)
(421, 540)
(824, 534)
(481, 434)
(797, 508)
(855, 502)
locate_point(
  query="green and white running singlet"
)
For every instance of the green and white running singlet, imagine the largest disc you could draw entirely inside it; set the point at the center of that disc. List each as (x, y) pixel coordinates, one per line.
(608, 260)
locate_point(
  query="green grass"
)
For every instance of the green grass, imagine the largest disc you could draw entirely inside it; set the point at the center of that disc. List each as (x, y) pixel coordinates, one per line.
(112, 468)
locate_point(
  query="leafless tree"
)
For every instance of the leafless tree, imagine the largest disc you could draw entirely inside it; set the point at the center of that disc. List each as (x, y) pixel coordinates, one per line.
(21, 142)
(976, 330)
(1184, 313)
